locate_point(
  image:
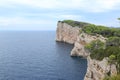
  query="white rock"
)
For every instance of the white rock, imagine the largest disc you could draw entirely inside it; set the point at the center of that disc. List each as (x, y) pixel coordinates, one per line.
(96, 70)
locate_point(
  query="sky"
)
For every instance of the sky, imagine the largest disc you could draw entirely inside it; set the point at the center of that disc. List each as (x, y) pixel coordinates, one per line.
(44, 14)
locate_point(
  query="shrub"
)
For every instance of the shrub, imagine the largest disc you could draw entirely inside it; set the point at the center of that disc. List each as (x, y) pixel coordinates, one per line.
(117, 77)
(96, 44)
(113, 41)
(75, 23)
(98, 53)
(102, 30)
(94, 29)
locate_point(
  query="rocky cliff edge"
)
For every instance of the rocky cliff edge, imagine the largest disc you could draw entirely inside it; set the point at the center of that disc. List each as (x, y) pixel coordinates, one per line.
(96, 70)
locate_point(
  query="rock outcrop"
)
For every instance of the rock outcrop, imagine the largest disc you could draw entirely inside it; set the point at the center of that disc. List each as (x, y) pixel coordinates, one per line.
(82, 40)
(66, 33)
(96, 70)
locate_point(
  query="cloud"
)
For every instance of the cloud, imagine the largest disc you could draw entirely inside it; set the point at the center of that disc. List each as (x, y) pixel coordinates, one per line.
(68, 16)
(84, 5)
(22, 23)
(101, 5)
(9, 21)
(40, 12)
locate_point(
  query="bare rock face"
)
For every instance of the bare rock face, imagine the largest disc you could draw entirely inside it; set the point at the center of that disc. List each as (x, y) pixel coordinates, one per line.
(82, 40)
(66, 33)
(96, 70)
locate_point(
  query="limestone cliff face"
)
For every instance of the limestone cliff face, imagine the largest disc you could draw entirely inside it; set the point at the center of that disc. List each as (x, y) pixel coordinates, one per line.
(82, 40)
(96, 70)
(66, 33)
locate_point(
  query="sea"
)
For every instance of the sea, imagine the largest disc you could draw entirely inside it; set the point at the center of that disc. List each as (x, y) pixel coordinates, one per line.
(35, 55)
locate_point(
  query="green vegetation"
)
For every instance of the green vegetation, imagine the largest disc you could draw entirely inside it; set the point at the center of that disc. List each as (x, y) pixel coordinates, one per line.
(95, 45)
(110, 49)
(75, 23)
(94, 29)
(118, 18)
(117, 77)
(113, 41)
(102, 30)
(113, 51)
(98, 49)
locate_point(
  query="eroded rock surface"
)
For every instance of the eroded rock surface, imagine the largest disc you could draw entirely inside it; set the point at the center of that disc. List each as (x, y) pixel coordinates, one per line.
(96, 70)
(66, 33)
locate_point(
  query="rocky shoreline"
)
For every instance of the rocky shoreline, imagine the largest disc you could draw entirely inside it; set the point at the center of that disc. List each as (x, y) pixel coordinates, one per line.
(96, 70)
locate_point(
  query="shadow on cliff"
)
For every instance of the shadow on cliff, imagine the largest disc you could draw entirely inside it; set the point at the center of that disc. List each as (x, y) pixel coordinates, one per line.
(62, 46)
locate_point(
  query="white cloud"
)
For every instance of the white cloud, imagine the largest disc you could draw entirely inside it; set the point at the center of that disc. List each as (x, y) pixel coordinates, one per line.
(85, 5)
(22, 17)
(67, 16)
(8, 21)
(101, 5)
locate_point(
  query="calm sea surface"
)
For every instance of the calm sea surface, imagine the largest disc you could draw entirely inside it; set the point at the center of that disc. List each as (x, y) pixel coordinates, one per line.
(30, 55)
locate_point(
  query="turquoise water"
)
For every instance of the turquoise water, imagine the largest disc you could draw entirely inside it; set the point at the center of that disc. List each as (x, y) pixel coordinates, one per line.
(30, 55)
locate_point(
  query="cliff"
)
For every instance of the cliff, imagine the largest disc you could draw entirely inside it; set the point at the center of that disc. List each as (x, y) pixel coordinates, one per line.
(66, 33)
(82, 40)
(96, 70)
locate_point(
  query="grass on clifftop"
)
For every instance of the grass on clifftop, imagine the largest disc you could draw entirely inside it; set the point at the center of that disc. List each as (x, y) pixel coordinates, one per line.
(102, 30)
(117, 77)
(94, 29)
(75, 23)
